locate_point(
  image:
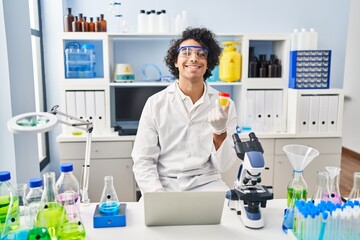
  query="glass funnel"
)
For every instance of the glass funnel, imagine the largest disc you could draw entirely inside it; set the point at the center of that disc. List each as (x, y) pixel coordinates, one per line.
(334, 173)
(355, 191)
(109, 202)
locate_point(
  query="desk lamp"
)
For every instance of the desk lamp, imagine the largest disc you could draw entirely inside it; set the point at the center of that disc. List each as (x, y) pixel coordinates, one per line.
(40, 122)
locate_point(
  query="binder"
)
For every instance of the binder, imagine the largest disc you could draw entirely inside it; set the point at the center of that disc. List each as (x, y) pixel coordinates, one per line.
(269, 110)
(323, 113)
(304, 114)
(90, 105)
(80, 104)
(99, 122)
(260, 109)
(70, 103)
(333, 113)
(279, 121)
(314, 114)
(249, 119)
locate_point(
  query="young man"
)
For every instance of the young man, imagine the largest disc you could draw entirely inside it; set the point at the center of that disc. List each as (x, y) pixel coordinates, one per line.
(184, 137)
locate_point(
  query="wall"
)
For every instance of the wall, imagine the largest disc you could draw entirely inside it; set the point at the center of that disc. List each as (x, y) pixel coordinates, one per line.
(328, 17)
(351, 129)
(20, 155)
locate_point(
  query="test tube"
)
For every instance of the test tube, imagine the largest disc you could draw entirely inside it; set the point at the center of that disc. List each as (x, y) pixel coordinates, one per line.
(224, 99)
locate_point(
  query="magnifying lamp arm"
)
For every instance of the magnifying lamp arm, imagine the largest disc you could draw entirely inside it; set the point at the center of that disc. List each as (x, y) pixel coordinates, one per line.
(86, 168)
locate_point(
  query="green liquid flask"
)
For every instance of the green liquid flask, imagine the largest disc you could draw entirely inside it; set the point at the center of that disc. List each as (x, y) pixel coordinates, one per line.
(51, 214)
(39, 233)
(297, 188)
(9, 206)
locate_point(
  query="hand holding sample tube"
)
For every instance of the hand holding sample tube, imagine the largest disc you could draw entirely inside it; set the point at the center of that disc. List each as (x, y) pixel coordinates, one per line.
(218, 116)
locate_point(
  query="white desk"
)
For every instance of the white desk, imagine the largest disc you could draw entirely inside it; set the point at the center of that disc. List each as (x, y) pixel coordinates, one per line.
(231, 226)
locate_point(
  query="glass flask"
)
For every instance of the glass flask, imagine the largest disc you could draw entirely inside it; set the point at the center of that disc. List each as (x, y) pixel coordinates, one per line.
(51, 214)
(334, 173)
(74, 228)
(109, 202)
(322, 190)
(38, 233)
(9, 206)
(355, 191)
(297, 188)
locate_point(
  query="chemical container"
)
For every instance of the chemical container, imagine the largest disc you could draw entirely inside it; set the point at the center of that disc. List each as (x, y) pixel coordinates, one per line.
(230, 63)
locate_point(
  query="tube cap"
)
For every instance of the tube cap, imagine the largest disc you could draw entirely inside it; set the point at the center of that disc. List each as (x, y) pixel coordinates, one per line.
(66, 167)
(35, 182)
(224, 94)
(4, 176)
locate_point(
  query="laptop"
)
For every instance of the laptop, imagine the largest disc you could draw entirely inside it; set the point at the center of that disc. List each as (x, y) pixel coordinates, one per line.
(183, 208)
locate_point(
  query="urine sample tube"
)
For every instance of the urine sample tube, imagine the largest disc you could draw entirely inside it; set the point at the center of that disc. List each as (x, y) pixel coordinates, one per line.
(224, 99)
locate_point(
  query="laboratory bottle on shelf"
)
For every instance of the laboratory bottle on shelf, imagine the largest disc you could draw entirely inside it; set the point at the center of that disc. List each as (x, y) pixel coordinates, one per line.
(91, 25)
(98, 27)
(76, 25)
(355, 191)
(51, 214)
(164, 22)
(103, 23)
(253, 63)
(9, 205)
(81, 20)
(85, 25)
(34, 198)
(141, 22)
(109, 202)
(67, 184)
(68, 19)
(152, 22)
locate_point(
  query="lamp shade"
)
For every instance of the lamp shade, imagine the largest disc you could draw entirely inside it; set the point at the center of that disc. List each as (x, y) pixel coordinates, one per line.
(33, 122)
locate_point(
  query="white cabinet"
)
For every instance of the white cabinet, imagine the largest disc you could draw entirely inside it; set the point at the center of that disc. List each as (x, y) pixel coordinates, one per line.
(108, 158)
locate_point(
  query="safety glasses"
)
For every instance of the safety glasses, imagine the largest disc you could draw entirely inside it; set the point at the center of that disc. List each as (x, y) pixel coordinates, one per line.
(187, 51)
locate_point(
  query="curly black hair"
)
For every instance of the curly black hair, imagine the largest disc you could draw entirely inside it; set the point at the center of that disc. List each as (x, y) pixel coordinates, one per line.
(206, 38)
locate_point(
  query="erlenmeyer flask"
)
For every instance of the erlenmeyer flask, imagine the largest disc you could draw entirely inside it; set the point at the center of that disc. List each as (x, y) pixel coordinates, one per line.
(109, 202)
(322, 190)
(74, 228)
(355, 191)
(297, 188)
(51, 214)
(334, 173)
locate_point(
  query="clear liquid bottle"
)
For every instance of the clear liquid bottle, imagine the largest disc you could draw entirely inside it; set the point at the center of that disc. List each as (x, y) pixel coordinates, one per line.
(74, 228)
(355, 191)
(68, 19)
(297, 188)
(34, 198)
(109, 202)
(9, 206)
(51, 213)
(322, 190)
(68, 184)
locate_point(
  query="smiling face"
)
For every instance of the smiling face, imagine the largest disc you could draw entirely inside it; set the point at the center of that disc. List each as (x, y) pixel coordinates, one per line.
(191, 68)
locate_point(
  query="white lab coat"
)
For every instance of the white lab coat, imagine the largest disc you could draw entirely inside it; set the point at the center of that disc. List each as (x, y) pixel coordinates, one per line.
(176, 152)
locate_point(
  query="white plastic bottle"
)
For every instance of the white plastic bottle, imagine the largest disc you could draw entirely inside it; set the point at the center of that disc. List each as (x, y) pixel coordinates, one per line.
(304, 40)
(152, 22)
(184, 20)
(178, 24)
(68, 184)
(313, 39)
(163, 22)
(34, 198)
(141, 22)
(294, 40)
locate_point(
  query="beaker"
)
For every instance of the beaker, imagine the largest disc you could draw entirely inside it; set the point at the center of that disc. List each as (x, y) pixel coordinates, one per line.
(355, 191)
(322, 190)
(74, 228)
(109, 202)
(51, 214)
(334, 173)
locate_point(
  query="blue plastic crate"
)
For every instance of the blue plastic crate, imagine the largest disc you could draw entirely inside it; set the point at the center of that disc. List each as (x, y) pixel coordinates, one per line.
(310, 69)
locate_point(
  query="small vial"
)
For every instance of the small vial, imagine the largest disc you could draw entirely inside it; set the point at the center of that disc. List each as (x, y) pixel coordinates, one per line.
(224, 99)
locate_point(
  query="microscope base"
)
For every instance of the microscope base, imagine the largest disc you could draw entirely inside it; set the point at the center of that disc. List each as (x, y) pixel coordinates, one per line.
(251, 220)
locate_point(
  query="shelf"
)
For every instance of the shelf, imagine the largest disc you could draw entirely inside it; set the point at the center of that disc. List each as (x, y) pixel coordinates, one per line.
(137, 84)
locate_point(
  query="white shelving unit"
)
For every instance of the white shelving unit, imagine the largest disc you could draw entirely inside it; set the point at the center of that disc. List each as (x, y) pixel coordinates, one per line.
(139, 49)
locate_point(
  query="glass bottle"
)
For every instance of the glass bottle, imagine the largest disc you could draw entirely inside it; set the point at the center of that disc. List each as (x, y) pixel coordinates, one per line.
(34, 198)
(9, 205)
(68, 184)
(51, 213)
(74, 228)
(355, 191)
(334, 173)
(75, 25)
(297, 187)
(103, 23)
(68, 19)
(91, 25)
(98, 25)
(80, 22)
(253, 63)
(85, 25)
(109, 202)
(322, 190)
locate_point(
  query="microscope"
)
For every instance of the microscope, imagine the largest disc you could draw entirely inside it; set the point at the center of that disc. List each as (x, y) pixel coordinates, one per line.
(248, 196)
